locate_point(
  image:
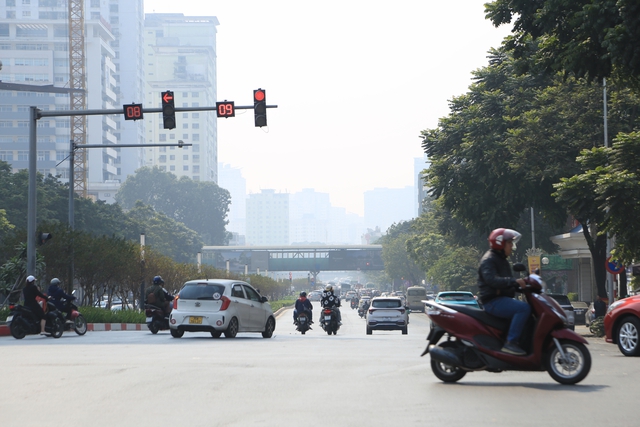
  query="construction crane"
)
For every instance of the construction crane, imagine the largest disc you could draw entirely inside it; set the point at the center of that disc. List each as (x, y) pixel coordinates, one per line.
(78, 98)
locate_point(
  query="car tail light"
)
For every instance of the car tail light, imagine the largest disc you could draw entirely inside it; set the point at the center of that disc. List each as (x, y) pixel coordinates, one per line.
(402, 311)
(225, 303)
(371, 310)
(175, 302)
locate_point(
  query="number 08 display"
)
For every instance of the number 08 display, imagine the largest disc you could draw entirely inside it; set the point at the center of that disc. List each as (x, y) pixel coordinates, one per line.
(226, 109)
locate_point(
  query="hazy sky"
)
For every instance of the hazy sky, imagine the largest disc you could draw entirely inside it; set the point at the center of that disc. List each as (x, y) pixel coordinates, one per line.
(355, 81)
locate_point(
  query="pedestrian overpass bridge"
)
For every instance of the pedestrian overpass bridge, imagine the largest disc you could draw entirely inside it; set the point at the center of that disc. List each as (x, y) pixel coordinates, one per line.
(309, 258)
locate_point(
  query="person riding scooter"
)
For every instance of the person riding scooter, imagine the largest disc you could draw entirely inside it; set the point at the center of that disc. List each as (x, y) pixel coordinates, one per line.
(329, 300)
(158, 296)
(497, 287)
(58, 295)
(303, 305)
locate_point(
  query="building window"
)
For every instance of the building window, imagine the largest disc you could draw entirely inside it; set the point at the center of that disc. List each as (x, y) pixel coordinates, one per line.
(172, 168)
(196, 147)
(162, 159)
(196, 126)
(185, 168)
(185, 157)
(172, 157)
(162, 137)
(195, 137)
(185, 126)
(196, 169)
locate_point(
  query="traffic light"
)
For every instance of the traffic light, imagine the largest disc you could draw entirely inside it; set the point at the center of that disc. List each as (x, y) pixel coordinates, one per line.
(260, 107)
(43, 237)
(168, 110)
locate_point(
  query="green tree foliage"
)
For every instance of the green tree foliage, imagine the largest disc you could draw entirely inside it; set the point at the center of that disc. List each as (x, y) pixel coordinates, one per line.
(593, 39)
(397, 263)
(201, 206)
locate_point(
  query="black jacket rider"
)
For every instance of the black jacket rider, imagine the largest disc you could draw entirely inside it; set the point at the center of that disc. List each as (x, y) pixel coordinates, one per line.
(495, 277)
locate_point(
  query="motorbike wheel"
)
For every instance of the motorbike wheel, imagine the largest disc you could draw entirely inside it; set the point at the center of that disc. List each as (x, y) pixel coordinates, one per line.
(17, 329)
(232, 329)
(80, 325)
(269, 328)
(444, 372)
(153, 327)
(176, 333)
(57, 328)
(629, 336)
(576, 366)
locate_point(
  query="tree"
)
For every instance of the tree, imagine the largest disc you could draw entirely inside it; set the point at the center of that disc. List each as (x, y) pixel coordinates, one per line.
(397, 263)
(201, 206)
(593, 39)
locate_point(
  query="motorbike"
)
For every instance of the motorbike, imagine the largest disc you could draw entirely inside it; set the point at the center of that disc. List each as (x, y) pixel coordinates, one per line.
(22, 321)
(362, 310)
(156, 319)
(303, 324)
(475, 339)
(354, 303)
(74, 319)
(329, 321)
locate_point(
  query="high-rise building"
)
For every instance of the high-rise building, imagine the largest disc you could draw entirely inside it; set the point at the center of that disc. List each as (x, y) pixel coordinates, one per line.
(419, 166)
(231, 179)
(267, 218)
(34, 46)
(180, 56)
(310, 217)
(386, 206)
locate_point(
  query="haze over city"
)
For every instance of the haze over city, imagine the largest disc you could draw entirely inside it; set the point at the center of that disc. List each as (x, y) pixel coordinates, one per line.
(355, 83)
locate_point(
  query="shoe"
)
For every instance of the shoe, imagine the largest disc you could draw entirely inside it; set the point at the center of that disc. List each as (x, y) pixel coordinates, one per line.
(44, 334)
(339, 323)
(513, 348)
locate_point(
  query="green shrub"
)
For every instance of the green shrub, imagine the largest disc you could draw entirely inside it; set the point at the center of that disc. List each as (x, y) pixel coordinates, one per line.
(597, 327)
(573, 296)
(276, 305)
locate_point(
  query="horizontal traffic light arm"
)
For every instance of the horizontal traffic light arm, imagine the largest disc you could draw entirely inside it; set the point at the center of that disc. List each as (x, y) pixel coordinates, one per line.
(62, 113)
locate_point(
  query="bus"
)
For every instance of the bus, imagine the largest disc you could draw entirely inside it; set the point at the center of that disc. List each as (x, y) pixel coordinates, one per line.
(415, 296)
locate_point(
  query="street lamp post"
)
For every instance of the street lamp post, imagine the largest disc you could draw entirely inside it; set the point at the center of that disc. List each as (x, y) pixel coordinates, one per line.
(142, 272)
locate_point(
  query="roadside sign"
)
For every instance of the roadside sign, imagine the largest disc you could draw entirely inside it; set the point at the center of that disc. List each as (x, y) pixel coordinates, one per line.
(613, 266)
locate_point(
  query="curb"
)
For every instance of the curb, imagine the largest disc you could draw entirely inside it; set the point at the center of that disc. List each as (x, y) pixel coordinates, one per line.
(95, 327)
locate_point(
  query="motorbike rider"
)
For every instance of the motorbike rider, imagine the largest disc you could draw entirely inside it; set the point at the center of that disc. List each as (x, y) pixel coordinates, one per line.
(497, 287)
(303, 305)
(158, 296)
(57, 295)
(329, 300)
(30, 292)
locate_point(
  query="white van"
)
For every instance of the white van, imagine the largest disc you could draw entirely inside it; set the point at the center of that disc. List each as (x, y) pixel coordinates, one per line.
(415, 296)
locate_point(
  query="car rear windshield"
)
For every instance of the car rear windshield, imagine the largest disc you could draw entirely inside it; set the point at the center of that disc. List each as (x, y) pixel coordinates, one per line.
(386, 303)
(562, 299)
(456, 297)
(416, 292)
(204, 291)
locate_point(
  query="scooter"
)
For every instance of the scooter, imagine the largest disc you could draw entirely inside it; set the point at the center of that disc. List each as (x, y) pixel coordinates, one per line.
(329, 321)
(475, 338)
(22, 321)
(303, 324)
(156, 319)
(362, 310)
(354, 303)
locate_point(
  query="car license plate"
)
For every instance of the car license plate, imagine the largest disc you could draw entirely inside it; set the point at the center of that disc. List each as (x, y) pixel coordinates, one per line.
(327, 317)
(9, 318)
(196, 320)
(149, 319)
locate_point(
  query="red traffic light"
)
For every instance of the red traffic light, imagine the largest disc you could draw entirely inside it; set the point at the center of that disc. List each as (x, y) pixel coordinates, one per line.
(258, 95)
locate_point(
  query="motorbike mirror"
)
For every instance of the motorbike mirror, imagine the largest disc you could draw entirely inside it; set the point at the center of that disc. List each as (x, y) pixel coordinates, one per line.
(519, 267)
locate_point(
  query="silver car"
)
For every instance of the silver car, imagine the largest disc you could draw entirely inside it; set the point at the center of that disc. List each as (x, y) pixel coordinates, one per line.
(220, 306)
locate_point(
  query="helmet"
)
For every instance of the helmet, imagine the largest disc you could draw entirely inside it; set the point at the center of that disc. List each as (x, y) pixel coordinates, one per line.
(499, 236)
(30, 279)
(303, 294)
(157, 280)
(55, 282)
(329, 288)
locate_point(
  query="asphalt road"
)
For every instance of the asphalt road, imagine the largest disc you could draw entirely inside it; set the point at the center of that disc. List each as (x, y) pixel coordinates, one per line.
(128, 378)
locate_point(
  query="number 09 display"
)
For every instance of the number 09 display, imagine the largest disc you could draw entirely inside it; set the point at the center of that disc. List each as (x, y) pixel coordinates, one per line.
(226, 109)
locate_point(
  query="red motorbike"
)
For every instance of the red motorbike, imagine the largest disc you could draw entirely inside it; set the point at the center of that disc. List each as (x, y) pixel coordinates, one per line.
(475, 338)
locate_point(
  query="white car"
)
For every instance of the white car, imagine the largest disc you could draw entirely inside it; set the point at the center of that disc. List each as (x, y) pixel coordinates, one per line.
(220, 306)
(387, 314)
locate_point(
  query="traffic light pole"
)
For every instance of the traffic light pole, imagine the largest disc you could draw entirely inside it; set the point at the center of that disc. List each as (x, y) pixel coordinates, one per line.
(36, 114)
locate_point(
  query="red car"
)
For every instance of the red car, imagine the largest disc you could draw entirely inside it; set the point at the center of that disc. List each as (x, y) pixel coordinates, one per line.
(622, 325)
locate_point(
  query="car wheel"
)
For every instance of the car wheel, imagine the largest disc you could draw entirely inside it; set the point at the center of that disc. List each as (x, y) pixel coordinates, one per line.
(216, 334)
(269, 328)
(629, 336)
(369, 331)
(405, 331)
(80, 325)
(232, 329)
(176, 333)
